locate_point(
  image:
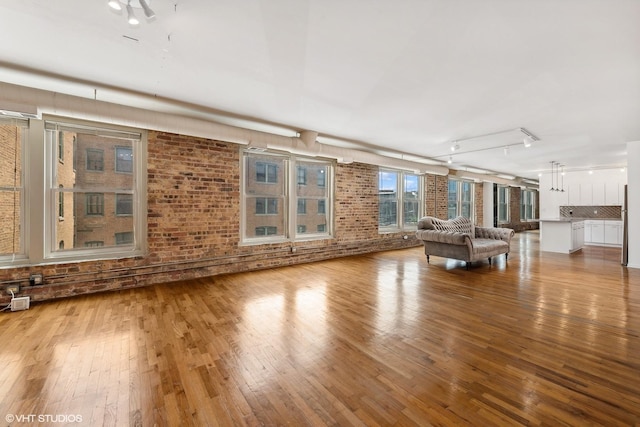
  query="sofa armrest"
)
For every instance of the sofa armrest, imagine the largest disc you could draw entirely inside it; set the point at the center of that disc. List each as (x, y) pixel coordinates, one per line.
(439, 236)
(495, 233)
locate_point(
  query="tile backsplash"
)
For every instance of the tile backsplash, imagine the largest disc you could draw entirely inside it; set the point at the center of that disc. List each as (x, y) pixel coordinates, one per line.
(595, 212)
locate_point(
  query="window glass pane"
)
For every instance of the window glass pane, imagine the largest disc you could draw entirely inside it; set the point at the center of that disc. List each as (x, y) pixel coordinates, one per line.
(124, 204)
(411, 200)
(388, 198)
(265, 195)
(95, 208)
(95, 160)
(11, 192)
(503, 204)
(124, 159)
(452, 199)
(314, 194)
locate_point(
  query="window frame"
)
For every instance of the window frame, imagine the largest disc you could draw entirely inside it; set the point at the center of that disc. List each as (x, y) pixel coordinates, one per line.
(532, 198)
(400, 200)
(459, 202)
(136, 139)
(294, 167)
(503, 200)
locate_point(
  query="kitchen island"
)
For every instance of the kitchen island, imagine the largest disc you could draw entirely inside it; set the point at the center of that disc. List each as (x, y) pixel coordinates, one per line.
(563, 235)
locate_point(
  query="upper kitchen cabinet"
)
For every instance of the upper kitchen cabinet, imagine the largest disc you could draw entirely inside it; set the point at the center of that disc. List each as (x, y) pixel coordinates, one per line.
(586, 194)
(600, 188)
(613, 193)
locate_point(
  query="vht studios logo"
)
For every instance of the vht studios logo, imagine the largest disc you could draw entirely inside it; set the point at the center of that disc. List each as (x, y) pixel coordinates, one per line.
(43, 418)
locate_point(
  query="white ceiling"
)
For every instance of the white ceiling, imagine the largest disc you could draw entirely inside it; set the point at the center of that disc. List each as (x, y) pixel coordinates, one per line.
(402, 75)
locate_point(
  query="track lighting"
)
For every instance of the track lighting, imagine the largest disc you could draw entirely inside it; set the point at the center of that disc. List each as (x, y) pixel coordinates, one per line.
(455, 146)
(527, 141)
(450, 160)
(147, 10)
(117, 6)
(131, 17)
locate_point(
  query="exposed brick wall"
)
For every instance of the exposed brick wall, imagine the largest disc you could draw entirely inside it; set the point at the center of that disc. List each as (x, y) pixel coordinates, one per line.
(356, 202)
(193, 198)
(436, 195)
(478, 202)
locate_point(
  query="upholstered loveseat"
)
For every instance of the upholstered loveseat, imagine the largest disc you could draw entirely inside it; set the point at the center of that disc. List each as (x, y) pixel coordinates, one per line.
(459, 239)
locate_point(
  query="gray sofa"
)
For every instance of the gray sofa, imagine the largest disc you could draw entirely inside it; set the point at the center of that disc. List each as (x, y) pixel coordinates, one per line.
(459, 239)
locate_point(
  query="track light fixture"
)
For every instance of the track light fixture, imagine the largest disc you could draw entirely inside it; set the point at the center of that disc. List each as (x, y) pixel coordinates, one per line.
(131, 17)
(527, 141)
(450, 160)
(116, 5)
(147, 10)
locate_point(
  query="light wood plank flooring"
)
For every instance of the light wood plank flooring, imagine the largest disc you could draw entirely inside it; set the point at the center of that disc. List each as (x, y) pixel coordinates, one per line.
(381, 339)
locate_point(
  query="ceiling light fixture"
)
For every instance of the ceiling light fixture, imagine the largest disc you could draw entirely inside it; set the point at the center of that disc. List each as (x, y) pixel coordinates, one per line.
(455, 146)
(131, 17)
(116, 6)
(527, 141)
(506, 150)
(147, 10)
(552, 167)
(450, 160)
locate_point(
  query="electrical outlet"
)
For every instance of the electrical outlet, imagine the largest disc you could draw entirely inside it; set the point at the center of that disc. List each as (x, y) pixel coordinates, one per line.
(12, 288)
(20, 303)
(36, 279)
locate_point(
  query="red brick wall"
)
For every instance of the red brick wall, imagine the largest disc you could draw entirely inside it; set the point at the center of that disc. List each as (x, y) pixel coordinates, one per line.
(478, 202)
(194, 230)
(10, 169)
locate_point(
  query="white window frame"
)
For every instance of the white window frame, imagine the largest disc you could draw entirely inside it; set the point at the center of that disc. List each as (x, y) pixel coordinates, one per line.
(532, 198)
(289, 206)
(39, 214)
(503, 200)
(400, 190)
(459, 198)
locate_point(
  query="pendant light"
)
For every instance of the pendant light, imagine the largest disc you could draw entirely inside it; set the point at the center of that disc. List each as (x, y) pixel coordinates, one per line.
(552, 165)
(562, 166)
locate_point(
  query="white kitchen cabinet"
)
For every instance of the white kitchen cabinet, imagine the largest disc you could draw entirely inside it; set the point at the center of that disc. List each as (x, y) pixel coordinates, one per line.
(597, 231)
(612, 194)
(587, 231)
(563, 236)
(613, 233)
(603, 232)
(586, 194)
(574, 194)
(598, 194)
(577, 235)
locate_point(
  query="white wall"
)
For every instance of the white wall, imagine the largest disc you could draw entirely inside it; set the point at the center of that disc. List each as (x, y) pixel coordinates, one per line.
(633, 194)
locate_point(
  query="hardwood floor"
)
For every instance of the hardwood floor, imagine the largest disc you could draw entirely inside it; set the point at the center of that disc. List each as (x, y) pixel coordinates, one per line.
(382, 339)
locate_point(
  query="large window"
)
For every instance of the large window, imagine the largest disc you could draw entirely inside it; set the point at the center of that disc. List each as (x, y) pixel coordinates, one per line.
(55, 207)
(503, 204)
(400, 200)
(285, 189)
(527, 205)
(460, 199)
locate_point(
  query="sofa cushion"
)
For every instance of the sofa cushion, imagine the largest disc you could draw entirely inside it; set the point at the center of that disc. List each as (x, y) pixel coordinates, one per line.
(484, 248)
(456, 225)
